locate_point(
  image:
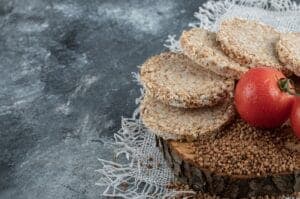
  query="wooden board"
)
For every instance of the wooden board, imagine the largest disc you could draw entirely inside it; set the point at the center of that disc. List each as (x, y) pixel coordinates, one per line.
(179, 156)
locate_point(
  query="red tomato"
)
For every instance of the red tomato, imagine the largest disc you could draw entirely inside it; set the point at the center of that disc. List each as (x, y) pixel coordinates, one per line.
(295, 117)
(260, 101)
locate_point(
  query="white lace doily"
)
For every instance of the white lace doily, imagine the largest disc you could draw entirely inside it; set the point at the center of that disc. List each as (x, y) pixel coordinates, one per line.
(140, 170)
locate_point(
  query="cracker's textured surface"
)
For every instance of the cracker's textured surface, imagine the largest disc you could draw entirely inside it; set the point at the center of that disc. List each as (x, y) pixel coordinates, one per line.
(201, 46)
(250, 42)
(179, 123)
(175, 80)
(288, 49)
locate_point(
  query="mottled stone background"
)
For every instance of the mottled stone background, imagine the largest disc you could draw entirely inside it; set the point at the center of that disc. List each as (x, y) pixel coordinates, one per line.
(65, 82)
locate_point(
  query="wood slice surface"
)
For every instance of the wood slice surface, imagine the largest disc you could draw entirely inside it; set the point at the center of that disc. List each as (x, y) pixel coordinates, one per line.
(181, 158)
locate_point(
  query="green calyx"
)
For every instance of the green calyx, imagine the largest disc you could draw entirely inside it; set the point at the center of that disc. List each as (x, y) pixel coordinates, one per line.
(287, 85)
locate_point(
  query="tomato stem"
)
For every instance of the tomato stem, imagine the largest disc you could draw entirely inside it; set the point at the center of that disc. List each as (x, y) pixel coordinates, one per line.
(287, 85)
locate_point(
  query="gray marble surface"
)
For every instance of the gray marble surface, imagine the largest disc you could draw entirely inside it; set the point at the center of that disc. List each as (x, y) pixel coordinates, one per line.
(66, 81)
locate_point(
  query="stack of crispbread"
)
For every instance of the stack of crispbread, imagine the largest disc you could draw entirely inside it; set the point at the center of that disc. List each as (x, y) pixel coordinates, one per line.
(189, 106)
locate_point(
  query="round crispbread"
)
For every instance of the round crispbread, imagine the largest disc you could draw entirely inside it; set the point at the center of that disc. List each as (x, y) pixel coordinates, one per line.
(201, 46)
(177, 81)
(184, 124)
(288, 49)
(250, 42)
